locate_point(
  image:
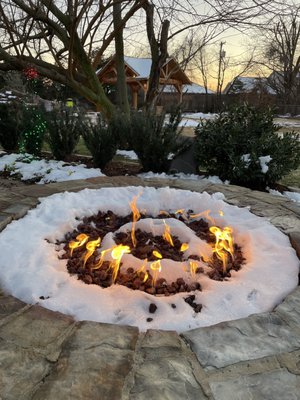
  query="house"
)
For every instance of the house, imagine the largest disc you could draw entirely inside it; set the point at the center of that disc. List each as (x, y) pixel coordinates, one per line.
(247, 84)
(137, 72)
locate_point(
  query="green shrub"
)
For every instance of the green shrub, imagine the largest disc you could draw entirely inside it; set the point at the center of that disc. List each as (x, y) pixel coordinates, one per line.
(119, 126)
(63, 133)
(232, 147)
(11, 120)
(153, 139)
(100, 140)
(33, 131)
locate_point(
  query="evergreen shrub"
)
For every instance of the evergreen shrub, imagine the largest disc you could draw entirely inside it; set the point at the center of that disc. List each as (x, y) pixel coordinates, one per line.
(11, 123)
(244, 147)
(100, 140)
(63, 132)
(154, 138)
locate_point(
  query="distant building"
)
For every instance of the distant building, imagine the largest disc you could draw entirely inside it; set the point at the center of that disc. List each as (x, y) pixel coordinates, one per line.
(247, 84)
(137, 72)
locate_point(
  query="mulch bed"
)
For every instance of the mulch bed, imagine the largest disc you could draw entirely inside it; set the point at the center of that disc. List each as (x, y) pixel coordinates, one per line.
(100, 224)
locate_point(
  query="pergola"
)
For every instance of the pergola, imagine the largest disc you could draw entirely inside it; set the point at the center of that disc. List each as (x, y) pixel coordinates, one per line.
(137, 75)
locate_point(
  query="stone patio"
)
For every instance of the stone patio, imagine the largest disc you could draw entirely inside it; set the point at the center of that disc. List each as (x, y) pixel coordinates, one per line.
(46, 355)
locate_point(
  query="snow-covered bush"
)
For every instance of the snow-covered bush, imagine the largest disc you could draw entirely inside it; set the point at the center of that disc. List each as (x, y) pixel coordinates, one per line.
(11, 120)
(243, 146)
(153, 139)
(100, 140)
(63, 133)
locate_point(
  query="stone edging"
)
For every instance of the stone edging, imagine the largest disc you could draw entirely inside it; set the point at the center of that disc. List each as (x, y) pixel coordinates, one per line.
(47, 355)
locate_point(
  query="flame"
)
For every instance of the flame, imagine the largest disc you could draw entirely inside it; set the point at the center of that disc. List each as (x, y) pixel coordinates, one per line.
(193, 267)
(91, 247)
(156, 268)
(167, 234)
(117, 254)
(142, 270)
(101, 259)
(224, 244)
(81, 239)
(181, 211)
(135, 216)
(156, 254)
(204, 214)
(163, 212)
(221, 213)
(184, 247)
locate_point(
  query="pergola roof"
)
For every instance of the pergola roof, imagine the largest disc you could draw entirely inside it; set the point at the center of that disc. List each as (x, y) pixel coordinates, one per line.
(138, 69)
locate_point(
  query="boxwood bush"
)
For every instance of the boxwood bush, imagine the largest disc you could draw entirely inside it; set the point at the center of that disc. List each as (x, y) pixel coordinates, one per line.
(244, 147)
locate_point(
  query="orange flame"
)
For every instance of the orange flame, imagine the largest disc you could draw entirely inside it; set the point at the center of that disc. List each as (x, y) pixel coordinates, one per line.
(156, 254)
(80, 240)
(91, 247)
(156, 268)
(167, 234)
(224, 244)
(204, 214)
(135, 216)
(117, 254)
(184, 247)
(101, 259)
(193, 268)
(142, 270)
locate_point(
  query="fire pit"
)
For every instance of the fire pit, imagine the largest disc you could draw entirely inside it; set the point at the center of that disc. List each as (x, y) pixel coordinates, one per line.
(154, 258)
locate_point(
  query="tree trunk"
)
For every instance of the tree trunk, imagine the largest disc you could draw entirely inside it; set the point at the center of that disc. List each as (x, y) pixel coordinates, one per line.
(159, 54)
(122, 95)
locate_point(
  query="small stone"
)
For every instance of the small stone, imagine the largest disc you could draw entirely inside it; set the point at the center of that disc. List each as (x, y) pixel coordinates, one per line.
(173, 305)
(149, 319)
(152, 308)
(198, 308)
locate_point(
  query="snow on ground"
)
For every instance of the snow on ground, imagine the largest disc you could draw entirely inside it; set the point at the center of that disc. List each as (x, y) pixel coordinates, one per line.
(294, 196)
(181, 175)
(28, 247)
(45, 171)
(130, 154)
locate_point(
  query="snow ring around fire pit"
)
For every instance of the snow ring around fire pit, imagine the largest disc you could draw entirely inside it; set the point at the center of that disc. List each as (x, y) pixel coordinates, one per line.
(30, 268)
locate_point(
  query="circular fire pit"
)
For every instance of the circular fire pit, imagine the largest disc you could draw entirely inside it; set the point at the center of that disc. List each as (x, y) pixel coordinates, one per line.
(151, 283)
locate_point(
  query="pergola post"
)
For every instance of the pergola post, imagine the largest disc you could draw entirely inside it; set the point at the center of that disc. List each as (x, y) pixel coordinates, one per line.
(134, 98)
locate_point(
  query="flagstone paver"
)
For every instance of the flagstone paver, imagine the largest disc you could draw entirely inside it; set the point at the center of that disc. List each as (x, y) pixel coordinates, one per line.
(47, 355)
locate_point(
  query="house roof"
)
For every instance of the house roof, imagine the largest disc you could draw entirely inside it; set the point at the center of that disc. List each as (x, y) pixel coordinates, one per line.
(141, 66)
(192, 88)
(248, 84)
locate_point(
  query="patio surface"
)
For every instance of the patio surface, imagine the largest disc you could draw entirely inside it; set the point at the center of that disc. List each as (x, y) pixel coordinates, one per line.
(47, 355)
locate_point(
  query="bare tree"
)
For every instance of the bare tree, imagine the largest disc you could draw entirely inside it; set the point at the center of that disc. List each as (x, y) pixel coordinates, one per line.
(281, 55)
(172, 18)
(57, 38)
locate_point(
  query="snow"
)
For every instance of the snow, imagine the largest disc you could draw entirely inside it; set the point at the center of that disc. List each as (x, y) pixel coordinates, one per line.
(141, 66)
(45, 171)
(247, 159)
(28, 248)
(264, 161)
(200, 115)
(180, 175)
(193, 88)
(293, 196)
(130, 154)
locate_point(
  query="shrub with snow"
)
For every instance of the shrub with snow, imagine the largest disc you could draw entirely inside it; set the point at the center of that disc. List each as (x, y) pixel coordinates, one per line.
(243, 146)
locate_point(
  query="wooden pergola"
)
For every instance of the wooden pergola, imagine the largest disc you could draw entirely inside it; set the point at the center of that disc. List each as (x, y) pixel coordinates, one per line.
(137, 75)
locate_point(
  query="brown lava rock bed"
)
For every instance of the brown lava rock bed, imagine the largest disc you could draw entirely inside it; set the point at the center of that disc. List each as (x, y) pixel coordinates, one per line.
(97, 226)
